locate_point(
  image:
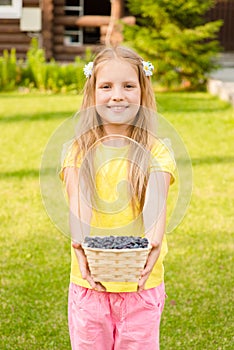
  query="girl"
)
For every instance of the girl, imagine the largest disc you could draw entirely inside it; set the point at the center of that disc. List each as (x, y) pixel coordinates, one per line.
(117, 175)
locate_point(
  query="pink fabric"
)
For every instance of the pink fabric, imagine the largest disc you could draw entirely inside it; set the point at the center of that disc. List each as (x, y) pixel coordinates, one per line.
(115, 321)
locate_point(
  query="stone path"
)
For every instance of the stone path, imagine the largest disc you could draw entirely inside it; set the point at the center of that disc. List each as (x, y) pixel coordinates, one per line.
(221, 82)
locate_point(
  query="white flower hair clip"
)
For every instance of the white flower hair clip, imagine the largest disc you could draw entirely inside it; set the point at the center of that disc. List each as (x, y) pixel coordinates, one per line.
(148, 68)
(88, 68)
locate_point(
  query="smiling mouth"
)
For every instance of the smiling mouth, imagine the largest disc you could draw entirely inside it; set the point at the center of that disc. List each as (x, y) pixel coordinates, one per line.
(117, 108)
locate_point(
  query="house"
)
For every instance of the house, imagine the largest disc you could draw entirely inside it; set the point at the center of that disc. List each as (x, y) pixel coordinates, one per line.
(65, 28)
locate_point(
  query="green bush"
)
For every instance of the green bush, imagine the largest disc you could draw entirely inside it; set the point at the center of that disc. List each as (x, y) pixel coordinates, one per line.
(36, 68)
(175, 37)
(36, 73)
(9, 70)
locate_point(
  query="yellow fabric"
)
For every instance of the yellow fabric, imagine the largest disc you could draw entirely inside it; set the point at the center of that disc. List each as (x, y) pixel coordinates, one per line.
(115, 215)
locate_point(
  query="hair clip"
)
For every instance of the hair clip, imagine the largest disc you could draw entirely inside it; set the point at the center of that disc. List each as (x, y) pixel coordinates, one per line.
(88, 68)
(148, 68)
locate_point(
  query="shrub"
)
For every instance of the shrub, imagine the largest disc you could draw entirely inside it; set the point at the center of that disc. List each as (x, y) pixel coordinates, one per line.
(174, 36)
(36, 73)
(9, 71)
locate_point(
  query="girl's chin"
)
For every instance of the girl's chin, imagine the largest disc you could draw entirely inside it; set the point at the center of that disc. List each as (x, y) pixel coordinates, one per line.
(118, 115)
(117, 122)
(117, 118)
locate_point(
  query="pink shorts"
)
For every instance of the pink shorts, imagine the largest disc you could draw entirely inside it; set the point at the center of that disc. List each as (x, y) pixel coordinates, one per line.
(115, 321)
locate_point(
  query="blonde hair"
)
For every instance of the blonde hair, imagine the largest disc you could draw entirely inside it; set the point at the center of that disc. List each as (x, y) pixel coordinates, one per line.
(90, 128)
(122, 53)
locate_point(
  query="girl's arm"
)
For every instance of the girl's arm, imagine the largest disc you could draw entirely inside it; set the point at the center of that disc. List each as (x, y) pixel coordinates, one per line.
(80, 214)
(154, 215)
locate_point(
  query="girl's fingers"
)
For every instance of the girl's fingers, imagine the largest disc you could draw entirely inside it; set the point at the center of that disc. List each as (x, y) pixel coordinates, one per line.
(99, 287)
(94, 285)
(76, 245)
(90, 280)
(141, 283)
(152, 258)
(84, 268)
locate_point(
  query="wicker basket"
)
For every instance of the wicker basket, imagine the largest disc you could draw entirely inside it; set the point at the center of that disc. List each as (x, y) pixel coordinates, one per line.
(116, 265)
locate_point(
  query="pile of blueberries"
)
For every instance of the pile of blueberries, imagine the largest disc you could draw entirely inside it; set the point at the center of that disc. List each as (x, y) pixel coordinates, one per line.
(116, 242)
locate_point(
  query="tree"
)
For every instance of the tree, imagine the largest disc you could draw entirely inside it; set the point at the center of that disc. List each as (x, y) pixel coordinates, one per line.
(175, 37)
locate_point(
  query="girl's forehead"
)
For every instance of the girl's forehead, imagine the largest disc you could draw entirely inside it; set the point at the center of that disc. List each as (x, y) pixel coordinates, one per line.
(116, 66)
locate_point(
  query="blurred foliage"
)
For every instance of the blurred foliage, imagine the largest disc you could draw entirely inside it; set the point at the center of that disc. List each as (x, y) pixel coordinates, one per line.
(174, 35)
(36, 73)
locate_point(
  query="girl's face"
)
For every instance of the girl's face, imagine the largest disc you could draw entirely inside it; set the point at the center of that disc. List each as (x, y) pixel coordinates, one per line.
(117, 95)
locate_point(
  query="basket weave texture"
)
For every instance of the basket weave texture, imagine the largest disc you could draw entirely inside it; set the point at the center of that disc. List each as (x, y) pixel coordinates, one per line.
(116, 265)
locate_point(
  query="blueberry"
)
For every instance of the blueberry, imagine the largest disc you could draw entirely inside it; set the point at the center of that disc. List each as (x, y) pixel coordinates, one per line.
(118, 242)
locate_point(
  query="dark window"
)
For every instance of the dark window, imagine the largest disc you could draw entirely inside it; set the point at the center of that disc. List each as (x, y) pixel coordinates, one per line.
(86, 35)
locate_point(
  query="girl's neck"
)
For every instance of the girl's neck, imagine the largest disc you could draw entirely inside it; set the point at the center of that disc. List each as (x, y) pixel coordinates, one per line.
(115, 141)
(114, 129)
(116, 135)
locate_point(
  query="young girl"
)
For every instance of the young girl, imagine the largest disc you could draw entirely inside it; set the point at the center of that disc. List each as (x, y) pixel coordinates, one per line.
(117, 175)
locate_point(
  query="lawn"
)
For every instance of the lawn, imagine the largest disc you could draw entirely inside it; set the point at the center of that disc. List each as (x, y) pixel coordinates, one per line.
(35, 256)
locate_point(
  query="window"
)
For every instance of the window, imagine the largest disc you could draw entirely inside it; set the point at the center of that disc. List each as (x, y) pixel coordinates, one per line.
(74, 35)
(91, 35)
(10, 8)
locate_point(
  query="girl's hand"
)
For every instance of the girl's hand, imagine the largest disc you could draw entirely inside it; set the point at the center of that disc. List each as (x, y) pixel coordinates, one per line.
(84, 268)
(152, 258)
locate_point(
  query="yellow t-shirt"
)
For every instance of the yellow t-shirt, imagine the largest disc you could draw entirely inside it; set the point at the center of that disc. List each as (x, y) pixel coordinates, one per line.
(112, 213)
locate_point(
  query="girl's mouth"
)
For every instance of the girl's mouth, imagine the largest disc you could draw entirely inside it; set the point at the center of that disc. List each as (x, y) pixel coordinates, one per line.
(117, 108)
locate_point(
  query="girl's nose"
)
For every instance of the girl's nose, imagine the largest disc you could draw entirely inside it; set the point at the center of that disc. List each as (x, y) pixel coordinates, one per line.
(117, 99)
(117, 95)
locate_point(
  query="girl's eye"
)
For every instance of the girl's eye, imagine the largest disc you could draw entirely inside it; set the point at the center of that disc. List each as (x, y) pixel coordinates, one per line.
(106, 86)
(129, 86)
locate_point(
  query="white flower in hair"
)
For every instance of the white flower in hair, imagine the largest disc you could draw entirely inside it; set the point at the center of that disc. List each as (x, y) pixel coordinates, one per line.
(88, 68)
(147, 68)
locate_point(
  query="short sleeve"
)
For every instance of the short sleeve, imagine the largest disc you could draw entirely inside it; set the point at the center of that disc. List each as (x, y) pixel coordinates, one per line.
(163, 158)
(69, 157)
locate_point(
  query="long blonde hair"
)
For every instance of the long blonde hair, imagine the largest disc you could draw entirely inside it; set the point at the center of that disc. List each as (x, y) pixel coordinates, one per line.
(90, 128)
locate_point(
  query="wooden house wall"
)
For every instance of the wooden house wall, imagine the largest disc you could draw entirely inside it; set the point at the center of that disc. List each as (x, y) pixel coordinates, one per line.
(54, 21)
(224, 9)
(62, 52)
(12, 37)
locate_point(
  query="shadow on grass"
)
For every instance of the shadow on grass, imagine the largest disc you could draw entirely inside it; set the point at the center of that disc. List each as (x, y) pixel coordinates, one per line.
(186, 102)
(21, 173)
(212, 160)
(36, 117)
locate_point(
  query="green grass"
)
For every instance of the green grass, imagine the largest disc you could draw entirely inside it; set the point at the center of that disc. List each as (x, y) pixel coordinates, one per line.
(35, 256)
